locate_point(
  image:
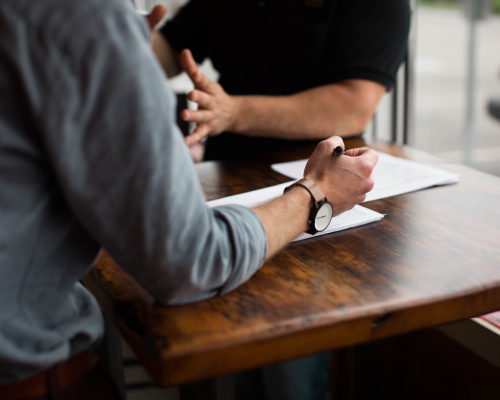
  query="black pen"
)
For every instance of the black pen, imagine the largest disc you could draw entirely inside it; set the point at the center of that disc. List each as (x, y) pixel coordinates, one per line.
(338, 151)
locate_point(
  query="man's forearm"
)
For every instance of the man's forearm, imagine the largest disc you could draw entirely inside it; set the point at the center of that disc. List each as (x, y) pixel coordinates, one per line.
(284, 218)
(166, 54)
(342, 109)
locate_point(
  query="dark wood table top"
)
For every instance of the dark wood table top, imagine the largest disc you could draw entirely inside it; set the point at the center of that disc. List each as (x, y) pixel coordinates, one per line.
(434, 258)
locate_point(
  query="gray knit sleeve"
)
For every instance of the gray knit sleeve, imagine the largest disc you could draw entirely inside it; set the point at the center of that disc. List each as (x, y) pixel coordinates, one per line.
(125, 171)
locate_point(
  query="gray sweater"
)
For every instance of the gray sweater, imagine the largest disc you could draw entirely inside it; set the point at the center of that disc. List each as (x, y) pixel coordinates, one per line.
(90, 157)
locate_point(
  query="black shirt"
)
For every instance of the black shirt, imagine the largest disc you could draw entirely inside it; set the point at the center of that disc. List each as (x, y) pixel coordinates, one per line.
(279, 47)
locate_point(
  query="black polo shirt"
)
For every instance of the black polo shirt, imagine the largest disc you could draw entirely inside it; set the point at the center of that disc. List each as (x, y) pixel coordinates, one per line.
(279, 47)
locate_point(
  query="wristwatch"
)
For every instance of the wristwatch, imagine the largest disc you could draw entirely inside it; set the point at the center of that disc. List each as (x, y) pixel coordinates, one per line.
(321, 209)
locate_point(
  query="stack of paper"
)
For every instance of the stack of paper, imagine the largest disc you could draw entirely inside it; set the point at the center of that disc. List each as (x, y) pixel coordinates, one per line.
(392, 176)
(349, 219)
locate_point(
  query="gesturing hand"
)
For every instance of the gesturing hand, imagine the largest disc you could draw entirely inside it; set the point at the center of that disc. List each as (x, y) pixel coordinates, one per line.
(216, 108)
(344, 179)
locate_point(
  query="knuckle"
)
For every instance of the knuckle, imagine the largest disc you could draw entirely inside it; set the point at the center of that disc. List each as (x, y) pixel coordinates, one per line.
(369, 184)
(366, 167)
(372, 183)
(324, 145)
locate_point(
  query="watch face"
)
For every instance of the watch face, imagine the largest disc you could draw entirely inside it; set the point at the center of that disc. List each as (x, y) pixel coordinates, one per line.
(323, 217)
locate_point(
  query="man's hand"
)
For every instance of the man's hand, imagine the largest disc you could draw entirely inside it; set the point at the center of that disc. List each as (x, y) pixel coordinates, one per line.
(216, 109)
(156, 15)
(344, 179)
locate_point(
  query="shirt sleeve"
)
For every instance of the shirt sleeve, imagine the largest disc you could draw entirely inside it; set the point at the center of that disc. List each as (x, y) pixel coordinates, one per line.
(125, 170)
(368, 40)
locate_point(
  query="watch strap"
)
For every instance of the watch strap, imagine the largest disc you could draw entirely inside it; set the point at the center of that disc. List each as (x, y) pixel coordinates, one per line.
(311, 187)
(317, 198)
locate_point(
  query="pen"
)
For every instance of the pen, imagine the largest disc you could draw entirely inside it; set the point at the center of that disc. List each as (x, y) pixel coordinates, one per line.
(338, 151)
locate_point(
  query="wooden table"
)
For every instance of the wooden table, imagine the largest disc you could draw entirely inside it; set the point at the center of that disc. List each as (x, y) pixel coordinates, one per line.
(433, 259)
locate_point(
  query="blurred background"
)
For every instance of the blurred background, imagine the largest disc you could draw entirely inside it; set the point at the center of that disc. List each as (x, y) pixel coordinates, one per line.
(445, 92)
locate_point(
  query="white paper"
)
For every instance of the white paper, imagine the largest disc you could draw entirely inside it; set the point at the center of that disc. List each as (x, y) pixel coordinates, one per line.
(392, 176)
(253, 198)
(357, 216)
(349, 219)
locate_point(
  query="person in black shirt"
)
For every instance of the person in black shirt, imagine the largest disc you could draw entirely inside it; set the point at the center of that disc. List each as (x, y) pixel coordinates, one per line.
(290, 71)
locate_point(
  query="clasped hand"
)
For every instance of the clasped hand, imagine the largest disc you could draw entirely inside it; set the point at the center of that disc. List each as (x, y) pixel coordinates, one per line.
(345, 179)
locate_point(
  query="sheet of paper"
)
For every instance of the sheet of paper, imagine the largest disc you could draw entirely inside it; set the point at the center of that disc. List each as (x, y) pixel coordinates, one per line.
(253, 198)
(357, 216)
(392, 175)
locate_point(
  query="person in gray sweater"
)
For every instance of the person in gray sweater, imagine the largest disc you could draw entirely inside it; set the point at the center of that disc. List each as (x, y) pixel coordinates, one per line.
(91, 158)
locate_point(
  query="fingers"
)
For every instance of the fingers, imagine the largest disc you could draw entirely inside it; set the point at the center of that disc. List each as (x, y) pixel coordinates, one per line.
(203, 99)
(198, 134)
(327, 146)
(157, 14)
(369, 156)
(335, 141)
(198, 116)
(353, 152)
(215, 106)
(189, 65)
(357, 152)
(366, 159)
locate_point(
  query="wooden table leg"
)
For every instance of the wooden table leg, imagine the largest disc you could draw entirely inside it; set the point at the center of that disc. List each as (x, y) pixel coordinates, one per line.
(110, 351)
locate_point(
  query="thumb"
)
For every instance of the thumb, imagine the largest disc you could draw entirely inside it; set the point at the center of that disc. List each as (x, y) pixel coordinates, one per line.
(156, 15)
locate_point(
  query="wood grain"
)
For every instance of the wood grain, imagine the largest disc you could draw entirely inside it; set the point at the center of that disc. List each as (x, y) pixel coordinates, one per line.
(433, 259)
